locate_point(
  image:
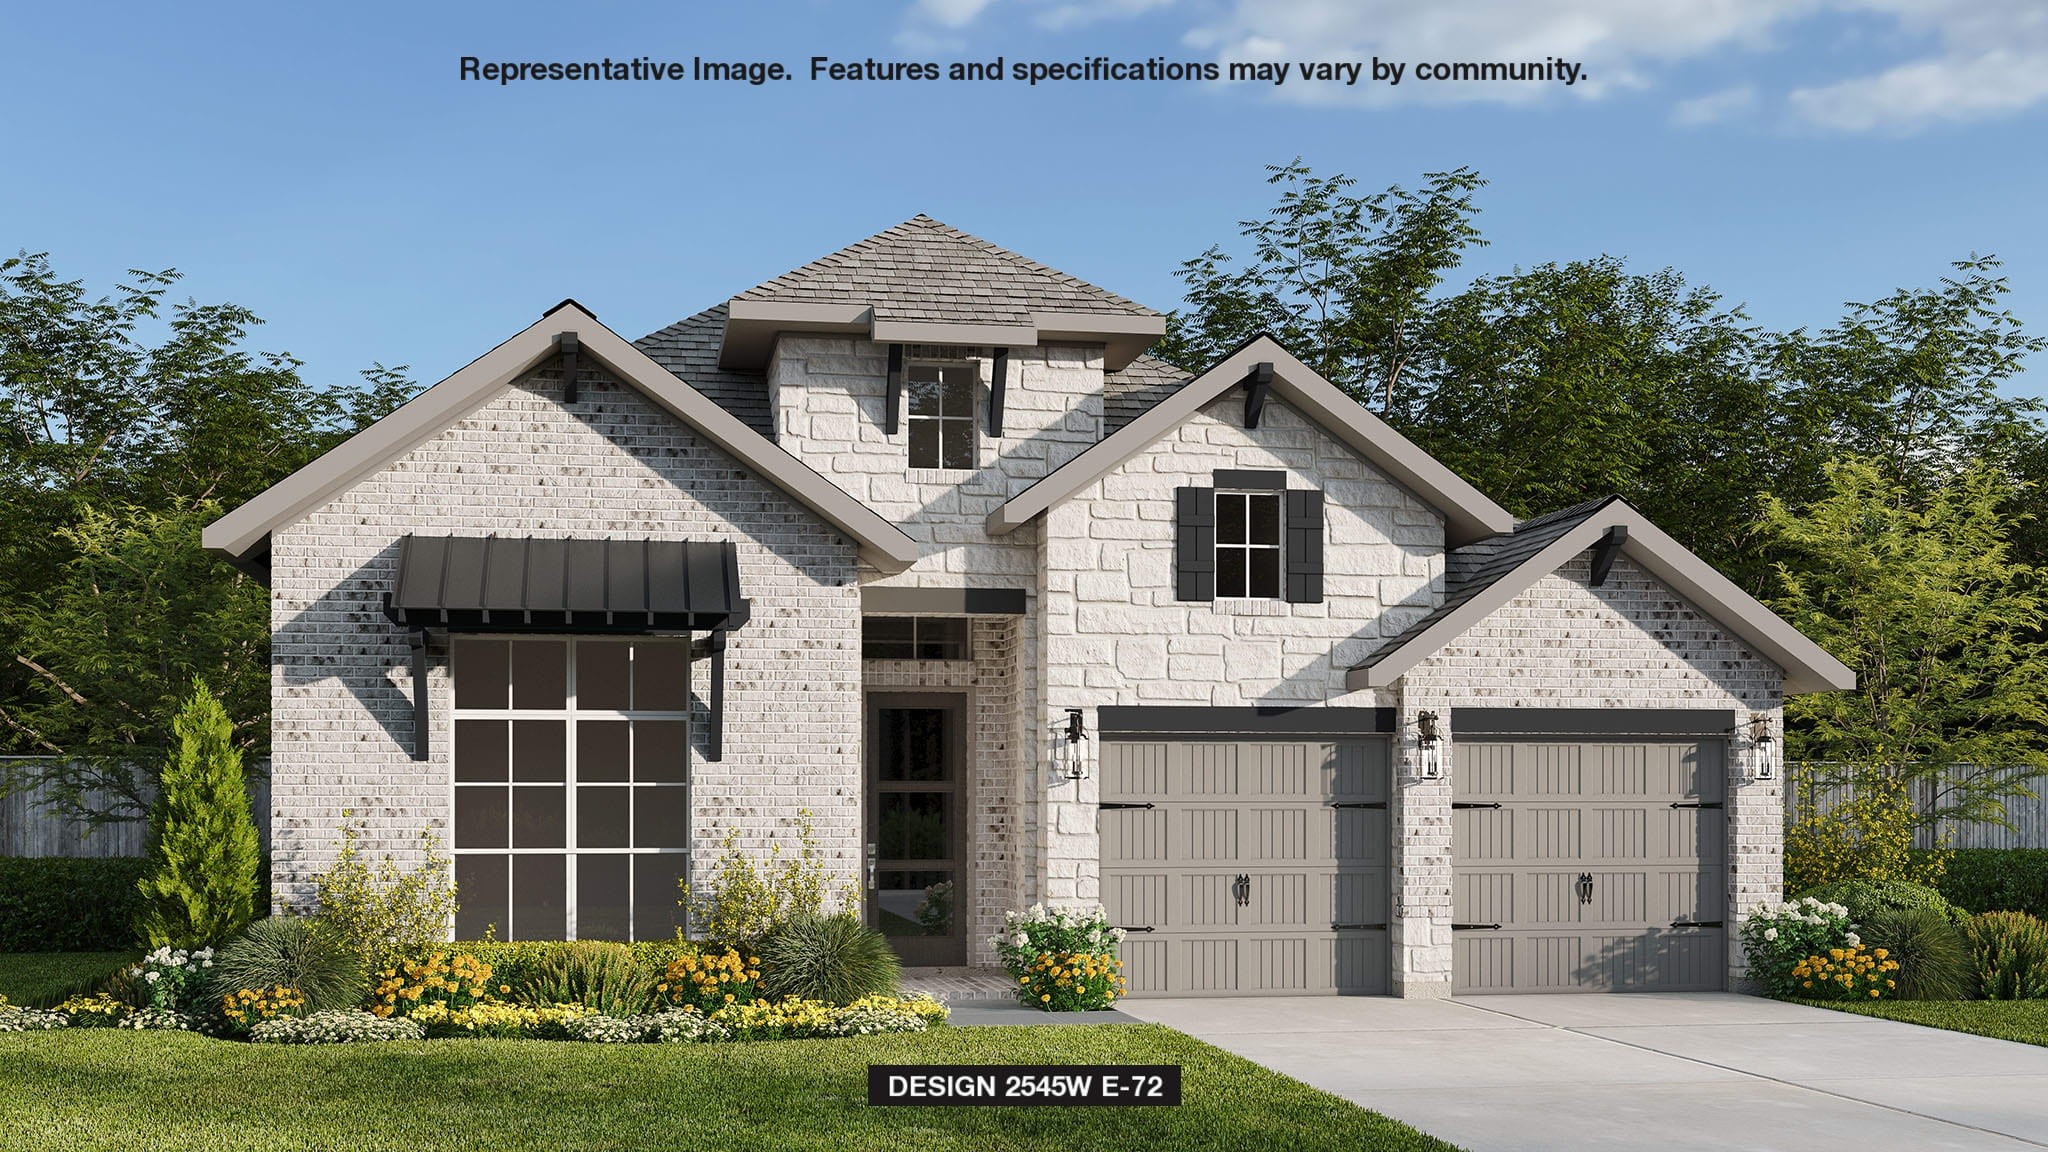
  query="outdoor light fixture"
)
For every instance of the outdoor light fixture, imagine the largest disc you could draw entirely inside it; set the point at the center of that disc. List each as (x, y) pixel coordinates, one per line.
(1431, 744)
(1763, 750)
(1069, 753)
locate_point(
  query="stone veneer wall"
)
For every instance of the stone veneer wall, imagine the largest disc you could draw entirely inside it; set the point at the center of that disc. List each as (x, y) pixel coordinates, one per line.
(1631, 643)
(1115, 635)
(522, 464)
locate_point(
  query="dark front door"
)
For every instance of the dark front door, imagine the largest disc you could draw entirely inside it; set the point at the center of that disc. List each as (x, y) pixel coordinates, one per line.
(916, 869)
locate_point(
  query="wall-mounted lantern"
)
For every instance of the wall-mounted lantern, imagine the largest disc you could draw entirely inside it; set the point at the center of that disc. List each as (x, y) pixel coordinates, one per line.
(1069, 749)
(1430, 743)
(1763, 749)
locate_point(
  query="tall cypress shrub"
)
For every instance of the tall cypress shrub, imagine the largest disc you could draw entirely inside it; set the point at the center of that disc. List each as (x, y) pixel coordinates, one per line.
(200, 887)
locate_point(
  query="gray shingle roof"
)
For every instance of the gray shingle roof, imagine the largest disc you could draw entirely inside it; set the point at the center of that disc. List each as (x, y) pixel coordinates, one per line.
(1477, 566)
(922, 270)
(1142, 384)
(689, 348)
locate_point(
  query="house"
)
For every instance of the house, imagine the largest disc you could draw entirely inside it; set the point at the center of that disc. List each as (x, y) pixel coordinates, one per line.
(917, 539)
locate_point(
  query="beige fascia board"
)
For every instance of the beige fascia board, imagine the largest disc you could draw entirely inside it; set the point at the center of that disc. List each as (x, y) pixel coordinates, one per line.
(1806, 666)
(944, 332)
(752, 325)
(1468, 514)
(882, 544)
(1123, 337)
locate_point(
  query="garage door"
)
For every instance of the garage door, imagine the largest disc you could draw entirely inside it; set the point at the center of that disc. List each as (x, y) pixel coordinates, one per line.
(1588, 866)
(1247, 866)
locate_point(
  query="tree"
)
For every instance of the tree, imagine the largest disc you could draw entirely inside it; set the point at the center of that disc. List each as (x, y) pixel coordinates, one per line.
(200, 889)
(1919, 594)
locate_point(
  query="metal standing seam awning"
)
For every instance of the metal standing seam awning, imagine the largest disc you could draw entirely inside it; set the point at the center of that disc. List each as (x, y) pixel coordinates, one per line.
(601, 587)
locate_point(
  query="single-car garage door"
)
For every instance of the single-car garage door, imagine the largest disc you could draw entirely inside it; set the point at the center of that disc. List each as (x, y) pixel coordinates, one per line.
(1246, 865)
(1588, 865)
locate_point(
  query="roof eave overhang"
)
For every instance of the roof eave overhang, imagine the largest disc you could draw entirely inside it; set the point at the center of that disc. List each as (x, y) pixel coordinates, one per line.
(241, 533)
(751, 327)
(1468, 514)
(1806, 666)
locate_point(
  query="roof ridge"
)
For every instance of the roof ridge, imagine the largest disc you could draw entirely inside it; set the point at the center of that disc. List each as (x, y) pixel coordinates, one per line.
(995, 249)
(1584, 507)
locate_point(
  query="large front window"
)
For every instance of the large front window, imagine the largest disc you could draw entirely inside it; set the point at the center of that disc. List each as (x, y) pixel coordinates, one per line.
(571, 787)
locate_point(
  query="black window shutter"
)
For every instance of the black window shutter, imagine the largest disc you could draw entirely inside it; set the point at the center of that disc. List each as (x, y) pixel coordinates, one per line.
(1194, 544)
(1304, 547)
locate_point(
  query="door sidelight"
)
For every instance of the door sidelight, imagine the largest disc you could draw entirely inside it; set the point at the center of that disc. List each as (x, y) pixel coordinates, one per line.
(1585, 887)
(1241, 890)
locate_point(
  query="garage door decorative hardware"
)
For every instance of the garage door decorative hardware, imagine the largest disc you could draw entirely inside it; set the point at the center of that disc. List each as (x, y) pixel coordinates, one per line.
(1695, 804)
(1381, 804)
(1129, 928)
(1118, 805)
(1696, 923)
(1475, 927)
(1458, 805)
(1357, 927)
(1241, 890)
(1585, 887)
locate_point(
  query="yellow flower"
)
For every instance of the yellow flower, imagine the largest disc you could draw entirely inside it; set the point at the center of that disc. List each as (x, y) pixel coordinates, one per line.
(1045, 998)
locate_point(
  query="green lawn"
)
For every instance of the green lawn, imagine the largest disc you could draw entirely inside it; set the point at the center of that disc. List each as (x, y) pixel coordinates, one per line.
(2023, 1020)
(116, 1090)
(40, 979)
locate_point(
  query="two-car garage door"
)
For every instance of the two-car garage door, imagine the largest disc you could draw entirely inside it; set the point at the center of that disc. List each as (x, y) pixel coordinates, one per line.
(1246, 865)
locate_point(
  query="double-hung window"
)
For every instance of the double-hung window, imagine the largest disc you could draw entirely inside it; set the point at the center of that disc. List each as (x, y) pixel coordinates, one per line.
(1248, 544)
(941, 415)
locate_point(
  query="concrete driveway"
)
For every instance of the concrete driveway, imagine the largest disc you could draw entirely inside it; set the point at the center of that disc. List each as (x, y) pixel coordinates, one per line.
(1664, 1071)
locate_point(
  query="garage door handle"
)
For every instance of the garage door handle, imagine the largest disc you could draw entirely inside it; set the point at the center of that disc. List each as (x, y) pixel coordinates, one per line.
(1475, 927)
(1695, 804)
(1356, 927)
(1696, 923)
(1455, 806)
(1113, 804)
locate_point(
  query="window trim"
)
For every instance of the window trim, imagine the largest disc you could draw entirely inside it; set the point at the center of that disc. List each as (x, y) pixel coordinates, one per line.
(1247, 547)
(911, 418)
(916, 620)
(570, 715)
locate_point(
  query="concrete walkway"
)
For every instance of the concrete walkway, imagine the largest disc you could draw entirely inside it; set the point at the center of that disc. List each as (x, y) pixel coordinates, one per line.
(1670, 1072)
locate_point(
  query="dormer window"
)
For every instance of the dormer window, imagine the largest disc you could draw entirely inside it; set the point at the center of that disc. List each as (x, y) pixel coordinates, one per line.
(941, 415)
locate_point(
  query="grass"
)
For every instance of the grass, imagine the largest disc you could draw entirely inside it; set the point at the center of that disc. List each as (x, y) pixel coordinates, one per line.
(41, 979)
(2023, 1020)
(117, 1090)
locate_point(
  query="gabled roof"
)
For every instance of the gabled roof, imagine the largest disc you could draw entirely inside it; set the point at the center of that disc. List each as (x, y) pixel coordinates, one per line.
(1129, 394)
(244, 533)
(1481, 577)
(689, 349)
(1468, 514)
(925, 282)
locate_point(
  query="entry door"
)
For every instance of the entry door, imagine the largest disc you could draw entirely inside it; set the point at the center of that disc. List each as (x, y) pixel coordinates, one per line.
(916, 842)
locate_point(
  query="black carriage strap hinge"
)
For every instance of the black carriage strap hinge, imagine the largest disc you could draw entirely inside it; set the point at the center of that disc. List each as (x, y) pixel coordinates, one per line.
(1456, 805)
(1357, 927)
(1475, 927)
(1696, 923)
(1118, 805)
(1695, 803)
(1124, 928)
(1357, 804)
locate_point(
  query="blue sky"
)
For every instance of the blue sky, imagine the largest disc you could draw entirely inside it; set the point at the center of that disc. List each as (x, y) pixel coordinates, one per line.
(324, 164)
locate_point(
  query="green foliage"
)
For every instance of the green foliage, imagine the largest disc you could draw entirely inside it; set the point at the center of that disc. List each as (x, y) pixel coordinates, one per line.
(201, 885)
(1998, 880)
(1934, 963)
(740, 901)
(113, 453)
(1776, 938)
(386, 912)
(60, 904)
(2010, 951)
(40, 979)
(1866, 835)
(1866, 899)
(594, 973)
(1917, 592)
(513, 962)
(294, 952)
(836, 959)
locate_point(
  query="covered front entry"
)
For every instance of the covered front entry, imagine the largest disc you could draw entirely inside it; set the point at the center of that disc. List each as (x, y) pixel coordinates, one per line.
(1588, 863)
(916, 826)
(1246, 861)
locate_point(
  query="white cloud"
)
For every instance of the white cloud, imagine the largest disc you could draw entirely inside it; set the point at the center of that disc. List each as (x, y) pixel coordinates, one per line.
(1942, 60)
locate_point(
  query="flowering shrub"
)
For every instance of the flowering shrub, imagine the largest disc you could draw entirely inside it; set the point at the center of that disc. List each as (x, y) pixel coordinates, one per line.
(165, 1020)
(340, 1026)
(762, 1020)
(1071, 982)
(1846, 974)
(454, 981)
(245, 1008)
(1777, 936)
(17, 1019)
(1028, 935)
(510, 1021)
(708, 981)
(874, 1015)
(98, 1010)
(171, 979)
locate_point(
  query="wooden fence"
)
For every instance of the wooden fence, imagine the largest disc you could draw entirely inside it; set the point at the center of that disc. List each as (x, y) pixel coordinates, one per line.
(2027, 816)
(29, 828)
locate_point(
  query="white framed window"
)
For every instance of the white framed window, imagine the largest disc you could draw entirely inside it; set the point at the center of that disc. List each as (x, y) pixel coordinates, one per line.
(941, 414)
(571, 786)
(1248, 562)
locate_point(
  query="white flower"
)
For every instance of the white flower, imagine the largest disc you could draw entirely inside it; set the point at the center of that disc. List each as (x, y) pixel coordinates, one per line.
(1019, 940)
(1770, 933)
(152, 977)
(206, 963)
(1855, 941)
